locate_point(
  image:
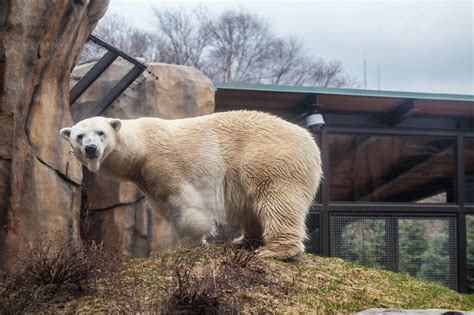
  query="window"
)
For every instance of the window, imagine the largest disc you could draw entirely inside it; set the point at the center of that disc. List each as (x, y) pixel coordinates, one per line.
(391, 168)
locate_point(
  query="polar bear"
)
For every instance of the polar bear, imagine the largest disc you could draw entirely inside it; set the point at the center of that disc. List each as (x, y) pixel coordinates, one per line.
(242, 168)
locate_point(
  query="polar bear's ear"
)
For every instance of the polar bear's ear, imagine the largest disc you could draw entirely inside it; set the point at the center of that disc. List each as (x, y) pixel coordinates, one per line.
(116, 124)
(65, 133)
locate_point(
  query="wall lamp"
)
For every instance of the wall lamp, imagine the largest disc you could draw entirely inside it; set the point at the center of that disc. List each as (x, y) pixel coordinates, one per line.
(314, 120)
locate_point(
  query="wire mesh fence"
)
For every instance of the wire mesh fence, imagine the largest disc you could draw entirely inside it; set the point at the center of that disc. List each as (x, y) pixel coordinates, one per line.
(424, 247)
(101, 75)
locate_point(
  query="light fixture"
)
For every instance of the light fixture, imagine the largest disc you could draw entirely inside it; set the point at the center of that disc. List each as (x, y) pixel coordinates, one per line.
(314, 120)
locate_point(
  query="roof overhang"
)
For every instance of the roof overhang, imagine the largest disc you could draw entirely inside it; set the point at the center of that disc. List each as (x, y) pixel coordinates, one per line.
(400, 105)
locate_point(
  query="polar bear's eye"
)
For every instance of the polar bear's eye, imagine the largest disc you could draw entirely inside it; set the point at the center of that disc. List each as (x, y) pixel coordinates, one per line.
(79, 137)
(100, 133)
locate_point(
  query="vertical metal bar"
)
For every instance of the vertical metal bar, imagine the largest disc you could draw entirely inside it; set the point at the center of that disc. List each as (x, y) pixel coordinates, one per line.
(454, 257)
(459, 155)
(335, 233)
(325, 221)
(461, 222)
(391, 243)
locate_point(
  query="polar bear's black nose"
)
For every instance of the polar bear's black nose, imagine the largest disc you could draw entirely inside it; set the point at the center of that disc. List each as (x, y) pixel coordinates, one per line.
(91, 149)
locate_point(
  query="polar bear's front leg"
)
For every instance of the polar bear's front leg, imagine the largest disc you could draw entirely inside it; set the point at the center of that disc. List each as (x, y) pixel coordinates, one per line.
(193, 226)
(191, 221)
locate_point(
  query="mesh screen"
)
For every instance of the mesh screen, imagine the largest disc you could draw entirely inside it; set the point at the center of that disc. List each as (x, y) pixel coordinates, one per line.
(470, 252)
(102, 86)
(424, 247)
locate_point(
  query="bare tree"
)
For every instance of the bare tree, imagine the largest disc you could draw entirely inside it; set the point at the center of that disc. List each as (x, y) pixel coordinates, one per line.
(180, 36)
(328, 74)
(234, 46)
(241, 45)
(237, 46)
(288, 63)
(135, 42)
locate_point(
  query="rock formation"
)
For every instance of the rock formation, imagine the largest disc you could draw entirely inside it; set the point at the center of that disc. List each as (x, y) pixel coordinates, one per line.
(39, 180)
(117, 213)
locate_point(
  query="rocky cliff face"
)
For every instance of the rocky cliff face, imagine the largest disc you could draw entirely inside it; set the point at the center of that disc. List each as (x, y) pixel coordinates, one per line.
(117, 213)
(39, 180)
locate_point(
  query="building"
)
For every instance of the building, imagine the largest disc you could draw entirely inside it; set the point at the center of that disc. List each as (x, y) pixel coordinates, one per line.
(398, 191)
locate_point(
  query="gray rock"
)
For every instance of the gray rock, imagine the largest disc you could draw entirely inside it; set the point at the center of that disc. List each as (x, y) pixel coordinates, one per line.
(39, 179)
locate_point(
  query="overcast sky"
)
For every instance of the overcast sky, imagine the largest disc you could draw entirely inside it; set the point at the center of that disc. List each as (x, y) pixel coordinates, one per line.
(420, 46)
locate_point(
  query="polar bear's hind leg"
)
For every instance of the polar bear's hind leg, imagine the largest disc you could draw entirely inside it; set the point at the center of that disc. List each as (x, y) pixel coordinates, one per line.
(282, 215)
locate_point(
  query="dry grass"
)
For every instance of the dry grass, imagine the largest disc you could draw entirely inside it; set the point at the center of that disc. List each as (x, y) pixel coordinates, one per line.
(52, 272)
(222, 279)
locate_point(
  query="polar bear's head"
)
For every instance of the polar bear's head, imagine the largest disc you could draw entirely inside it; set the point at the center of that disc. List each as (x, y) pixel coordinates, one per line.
(92, 140)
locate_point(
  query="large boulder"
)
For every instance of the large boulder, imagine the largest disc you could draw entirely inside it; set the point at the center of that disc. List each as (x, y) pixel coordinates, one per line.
(39, 180)
(118, 211)
(166, 91)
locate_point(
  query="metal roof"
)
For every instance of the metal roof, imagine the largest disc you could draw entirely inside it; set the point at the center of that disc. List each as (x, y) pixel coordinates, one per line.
(295, 98)
(342, 91)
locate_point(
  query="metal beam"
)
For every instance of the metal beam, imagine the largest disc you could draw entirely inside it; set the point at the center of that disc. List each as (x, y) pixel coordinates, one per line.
(309, 100)
(111, 48)
(391, 243)
(461, 222)
(325, 214)
(392, 131)
(91, 76)
(401, 112)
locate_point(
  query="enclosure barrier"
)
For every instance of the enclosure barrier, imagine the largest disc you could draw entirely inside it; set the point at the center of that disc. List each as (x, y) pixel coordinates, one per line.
(101, 75)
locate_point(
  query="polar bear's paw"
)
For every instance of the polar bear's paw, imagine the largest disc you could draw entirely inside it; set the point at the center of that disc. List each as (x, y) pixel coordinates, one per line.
(279, 251)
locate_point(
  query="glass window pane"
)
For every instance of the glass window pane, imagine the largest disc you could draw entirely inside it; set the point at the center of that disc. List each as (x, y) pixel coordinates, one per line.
(385, 168)
(469, 169)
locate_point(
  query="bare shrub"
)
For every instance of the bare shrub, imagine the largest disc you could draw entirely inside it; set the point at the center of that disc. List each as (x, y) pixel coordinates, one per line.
(191, 292)
(60, 262)
(53, 271)
(206, 282)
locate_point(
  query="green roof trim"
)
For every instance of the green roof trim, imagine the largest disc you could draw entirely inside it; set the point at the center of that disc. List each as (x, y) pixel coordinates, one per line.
(341, 91)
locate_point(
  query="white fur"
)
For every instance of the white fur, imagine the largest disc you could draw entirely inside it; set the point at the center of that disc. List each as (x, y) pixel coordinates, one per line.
(242, 168)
